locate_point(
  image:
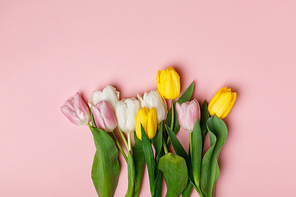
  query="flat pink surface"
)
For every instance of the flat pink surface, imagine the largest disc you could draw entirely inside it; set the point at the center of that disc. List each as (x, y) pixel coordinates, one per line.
(49, 50)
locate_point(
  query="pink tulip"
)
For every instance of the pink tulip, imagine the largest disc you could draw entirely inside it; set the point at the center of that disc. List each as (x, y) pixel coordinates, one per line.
(104, 116)
(188, 112)
(76, 110)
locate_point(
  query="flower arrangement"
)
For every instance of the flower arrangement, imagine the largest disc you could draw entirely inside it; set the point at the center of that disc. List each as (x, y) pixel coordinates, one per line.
(155, 127)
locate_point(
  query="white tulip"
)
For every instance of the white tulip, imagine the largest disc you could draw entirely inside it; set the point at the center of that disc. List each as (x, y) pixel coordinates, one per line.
(108, 94)
(126, 112)
(153, 99)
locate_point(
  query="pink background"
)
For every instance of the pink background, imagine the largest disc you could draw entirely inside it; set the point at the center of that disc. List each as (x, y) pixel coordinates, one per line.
(49, 50)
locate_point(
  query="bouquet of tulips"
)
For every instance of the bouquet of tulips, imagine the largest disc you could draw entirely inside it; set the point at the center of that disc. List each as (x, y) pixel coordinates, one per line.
(155, 127)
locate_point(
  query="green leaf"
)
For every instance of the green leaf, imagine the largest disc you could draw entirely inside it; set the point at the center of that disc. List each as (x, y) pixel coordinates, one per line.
(180, 151)
(203, 121)
(175, 174)
(105, 168)
(131, 175)
(157, 143)
(178, 146)
(186, 96)
(148, 152)
(158, 184)
(196, 151)
(187, 191)
(139, 159)
(210, 169)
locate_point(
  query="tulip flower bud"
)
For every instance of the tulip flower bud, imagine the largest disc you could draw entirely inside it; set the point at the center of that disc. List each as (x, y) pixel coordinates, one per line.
(126, 112)
(104, 116)
(222, 102)
(153, 99)
(188, 112)
(76, 110)
(108, 94)
(168, 83)
(148, 119)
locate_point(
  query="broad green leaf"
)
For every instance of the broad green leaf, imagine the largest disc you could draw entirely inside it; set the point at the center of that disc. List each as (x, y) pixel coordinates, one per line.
(175, 174)
(203, 121)
(105, 168)
(196, 151)
(139, 159)
(187, 191)
(210, 169)
(186, 96)
(131, 175)
(149, 157)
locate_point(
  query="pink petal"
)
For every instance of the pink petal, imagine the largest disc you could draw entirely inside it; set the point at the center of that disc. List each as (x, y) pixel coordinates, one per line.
(108, 115)
(71, 115)
(98, 118)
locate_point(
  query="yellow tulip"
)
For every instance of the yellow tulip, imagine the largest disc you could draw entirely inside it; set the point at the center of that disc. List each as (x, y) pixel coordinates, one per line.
(222, 102)
(168, 83)
(148, 118)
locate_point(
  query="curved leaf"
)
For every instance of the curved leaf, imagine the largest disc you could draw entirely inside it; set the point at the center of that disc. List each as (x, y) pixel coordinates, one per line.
(210, 169)
(105, 168)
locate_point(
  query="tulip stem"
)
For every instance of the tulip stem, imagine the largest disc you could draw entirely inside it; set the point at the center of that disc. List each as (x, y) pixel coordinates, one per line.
(123, 137)
(173, 115)
(165, 148)
(119, 146)
(129, 142)
(172, 120)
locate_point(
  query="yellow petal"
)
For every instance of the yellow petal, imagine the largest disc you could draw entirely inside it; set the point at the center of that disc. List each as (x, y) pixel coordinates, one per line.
(141, 118)
(152, 123)
(213, 100)
(233, 99)
(172, 84)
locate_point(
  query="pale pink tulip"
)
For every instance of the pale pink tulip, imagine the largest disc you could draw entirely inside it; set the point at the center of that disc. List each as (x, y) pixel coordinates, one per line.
(104, 116)
(188, 112)
(76, 110)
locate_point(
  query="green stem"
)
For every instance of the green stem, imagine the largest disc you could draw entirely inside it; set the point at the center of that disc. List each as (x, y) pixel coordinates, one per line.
(88, 125)
(190, 144)
(123, 137)
(172, 120)
(165, 148)
(129, 142)
(119, 146)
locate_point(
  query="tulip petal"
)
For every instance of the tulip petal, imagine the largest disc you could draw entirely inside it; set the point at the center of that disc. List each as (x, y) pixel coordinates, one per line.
(81, 108)
(71, 115)
(151, 123)
(141, 118)
(216, 96)
(99, 120)
(108, 115)
(233, 99)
